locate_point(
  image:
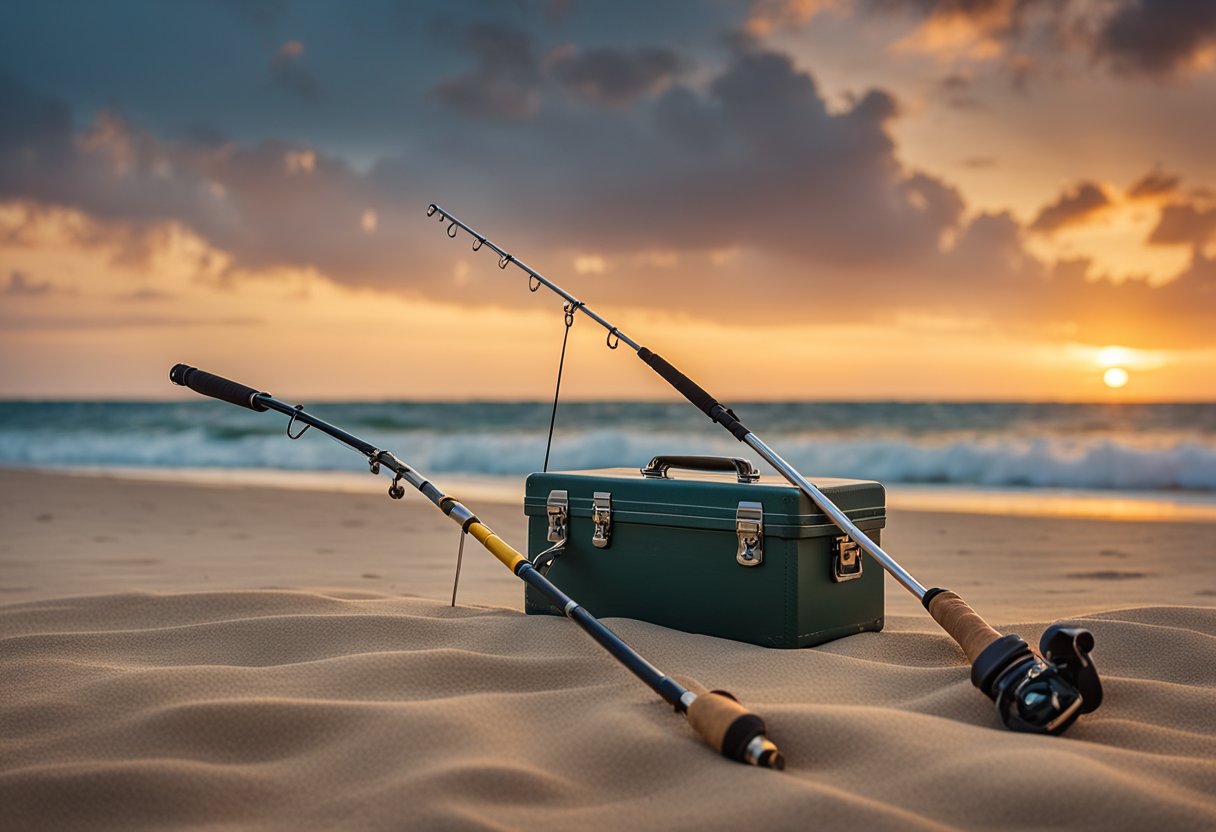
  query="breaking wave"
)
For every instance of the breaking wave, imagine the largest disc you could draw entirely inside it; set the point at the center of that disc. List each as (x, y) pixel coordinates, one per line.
(1163, 447)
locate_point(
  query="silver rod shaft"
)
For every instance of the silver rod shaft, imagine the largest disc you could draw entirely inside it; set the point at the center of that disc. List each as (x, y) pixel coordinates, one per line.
(837, 516)
(788, 471)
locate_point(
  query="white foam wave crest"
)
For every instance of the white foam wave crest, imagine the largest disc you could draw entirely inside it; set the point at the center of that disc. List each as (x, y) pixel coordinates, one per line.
(988, 460)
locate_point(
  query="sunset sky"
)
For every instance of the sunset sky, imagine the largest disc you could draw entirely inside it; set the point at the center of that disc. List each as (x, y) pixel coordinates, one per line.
(790, 199)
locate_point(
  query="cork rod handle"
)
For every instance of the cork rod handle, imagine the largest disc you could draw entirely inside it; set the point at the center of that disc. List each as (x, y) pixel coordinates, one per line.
(729, 728)
(963, 624)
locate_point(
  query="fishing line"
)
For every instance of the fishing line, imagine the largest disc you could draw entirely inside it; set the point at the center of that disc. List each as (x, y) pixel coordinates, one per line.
(569, 309)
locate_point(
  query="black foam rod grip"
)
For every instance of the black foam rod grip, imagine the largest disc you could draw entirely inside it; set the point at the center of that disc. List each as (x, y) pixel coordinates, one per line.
(687, 387)
(217, 387)
(692, 391)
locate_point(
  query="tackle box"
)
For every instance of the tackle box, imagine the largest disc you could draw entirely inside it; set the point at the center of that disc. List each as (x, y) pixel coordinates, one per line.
(706, 545)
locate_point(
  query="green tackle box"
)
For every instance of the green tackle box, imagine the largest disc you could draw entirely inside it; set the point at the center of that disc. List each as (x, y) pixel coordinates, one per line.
(706, 545)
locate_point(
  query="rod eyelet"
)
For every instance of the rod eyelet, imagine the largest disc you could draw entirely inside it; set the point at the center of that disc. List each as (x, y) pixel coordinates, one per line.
(504, 261)
(533, 283)
(431, 209)
(613, 340)
(302, 431)
(478, 243)
(570, 308)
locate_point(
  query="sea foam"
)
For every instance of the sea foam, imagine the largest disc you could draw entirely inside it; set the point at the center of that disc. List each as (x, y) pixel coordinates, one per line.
(1030, 446)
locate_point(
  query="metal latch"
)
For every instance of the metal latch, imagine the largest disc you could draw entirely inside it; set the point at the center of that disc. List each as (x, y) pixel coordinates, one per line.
(846, 559)
(557, 507)
(749, 525)
(601, 517)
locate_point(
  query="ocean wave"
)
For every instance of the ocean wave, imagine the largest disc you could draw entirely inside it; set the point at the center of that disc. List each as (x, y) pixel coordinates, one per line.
(1089, 462)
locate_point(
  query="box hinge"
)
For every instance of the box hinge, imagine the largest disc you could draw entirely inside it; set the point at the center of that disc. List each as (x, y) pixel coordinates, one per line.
(749, 526)
(846, 559)
(601, 518)
(557, 507)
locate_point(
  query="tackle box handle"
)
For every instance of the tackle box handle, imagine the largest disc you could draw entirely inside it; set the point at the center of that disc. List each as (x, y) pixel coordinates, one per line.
(742, 468)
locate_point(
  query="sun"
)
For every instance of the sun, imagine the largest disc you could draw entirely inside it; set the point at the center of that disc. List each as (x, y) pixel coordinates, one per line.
(1115, 377)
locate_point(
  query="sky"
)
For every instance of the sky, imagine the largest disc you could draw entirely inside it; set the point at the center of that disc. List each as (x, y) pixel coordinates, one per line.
(788, 199)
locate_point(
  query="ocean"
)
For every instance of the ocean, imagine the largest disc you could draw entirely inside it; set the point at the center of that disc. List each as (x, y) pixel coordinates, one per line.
(1165, 451)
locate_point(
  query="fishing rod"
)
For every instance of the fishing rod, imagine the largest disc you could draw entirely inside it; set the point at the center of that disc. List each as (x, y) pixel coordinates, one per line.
(1037, 693)
(725, 724)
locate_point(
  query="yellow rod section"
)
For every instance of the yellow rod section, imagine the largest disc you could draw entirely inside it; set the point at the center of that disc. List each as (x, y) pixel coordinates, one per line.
(496, 546)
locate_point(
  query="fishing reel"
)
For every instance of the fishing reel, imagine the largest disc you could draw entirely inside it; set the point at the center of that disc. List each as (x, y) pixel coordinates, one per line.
(1040, 695)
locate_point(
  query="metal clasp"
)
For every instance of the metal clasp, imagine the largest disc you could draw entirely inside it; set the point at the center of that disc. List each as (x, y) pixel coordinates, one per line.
(749, 526)
(601, 517)
(557, 507)
(846, 559)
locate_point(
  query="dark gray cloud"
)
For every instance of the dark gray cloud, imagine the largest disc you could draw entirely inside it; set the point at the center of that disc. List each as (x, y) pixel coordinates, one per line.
(507, 79)
(504, 82)
(1158, 37)
(809, 205)
(686, 117)
(990, 250)
(756, 159)
(271, 203)
(1074, 207)
(614, 77)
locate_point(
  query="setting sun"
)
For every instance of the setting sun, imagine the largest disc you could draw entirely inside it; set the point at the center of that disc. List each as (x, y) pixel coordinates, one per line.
(1115, 377)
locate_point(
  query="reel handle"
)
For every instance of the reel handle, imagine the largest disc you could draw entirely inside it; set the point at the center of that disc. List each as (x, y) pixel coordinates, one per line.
(1068, 648)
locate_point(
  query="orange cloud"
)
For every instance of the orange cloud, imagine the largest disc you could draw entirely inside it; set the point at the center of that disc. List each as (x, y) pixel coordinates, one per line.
(300, 161)
(769, 16)
(954, 30)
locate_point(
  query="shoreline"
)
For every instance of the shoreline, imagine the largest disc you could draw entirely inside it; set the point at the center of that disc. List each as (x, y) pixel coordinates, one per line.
(72, 534)
(1090, 504)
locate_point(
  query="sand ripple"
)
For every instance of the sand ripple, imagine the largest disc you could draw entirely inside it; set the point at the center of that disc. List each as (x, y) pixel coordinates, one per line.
(299, 710)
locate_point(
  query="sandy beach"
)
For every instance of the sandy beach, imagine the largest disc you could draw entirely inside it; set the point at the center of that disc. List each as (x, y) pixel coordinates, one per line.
(249, 657)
